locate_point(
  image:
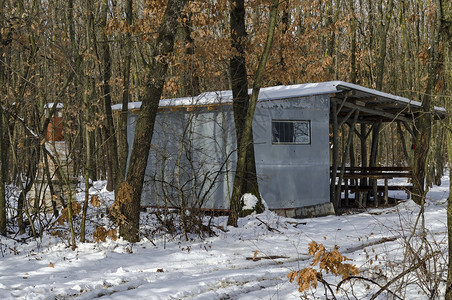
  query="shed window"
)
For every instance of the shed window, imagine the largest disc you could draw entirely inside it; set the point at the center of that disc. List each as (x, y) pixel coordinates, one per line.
(291, 132)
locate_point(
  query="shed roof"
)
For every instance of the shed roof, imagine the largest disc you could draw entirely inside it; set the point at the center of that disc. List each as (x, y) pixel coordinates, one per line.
(370, 102)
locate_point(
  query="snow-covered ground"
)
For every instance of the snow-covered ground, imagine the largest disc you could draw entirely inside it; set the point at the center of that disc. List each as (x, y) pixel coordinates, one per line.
(222, 266)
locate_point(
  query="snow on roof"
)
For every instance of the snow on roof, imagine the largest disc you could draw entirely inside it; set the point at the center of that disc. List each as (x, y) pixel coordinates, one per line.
(51, 104)
(268, 93)
(278, 92)
(350, 86)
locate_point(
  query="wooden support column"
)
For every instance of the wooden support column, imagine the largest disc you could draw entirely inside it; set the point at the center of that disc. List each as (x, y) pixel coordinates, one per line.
(344, 156)
(363, 139)
(375, 191)
(351, 153)
(374, 149)
(358, 198)
(373, 156)
(335, 157)
(364, 160)
(385, 195)
(346, 192)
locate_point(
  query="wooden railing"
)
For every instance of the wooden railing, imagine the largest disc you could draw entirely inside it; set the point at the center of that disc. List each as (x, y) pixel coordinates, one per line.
(368, 181)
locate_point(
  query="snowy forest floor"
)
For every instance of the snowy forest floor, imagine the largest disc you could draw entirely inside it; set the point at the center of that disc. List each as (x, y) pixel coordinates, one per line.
(381, 242)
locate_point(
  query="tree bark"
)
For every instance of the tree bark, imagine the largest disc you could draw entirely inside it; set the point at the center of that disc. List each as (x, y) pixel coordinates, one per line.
(383, 29)
(239, 82)
(423, 124)
(353, 70)
(191, 78)
(129, 229)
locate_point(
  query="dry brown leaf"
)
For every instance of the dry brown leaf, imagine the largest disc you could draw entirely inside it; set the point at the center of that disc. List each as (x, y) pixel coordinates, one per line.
(94, 201)
(255, 254)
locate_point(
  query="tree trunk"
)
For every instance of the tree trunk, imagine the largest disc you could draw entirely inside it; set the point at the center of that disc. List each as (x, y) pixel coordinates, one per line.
(246, 137)
(383, 28)
(132, 187)
(423, 123)
(446, 31)
(3, 159)
(353, 69)
(449, 200)
(88, 129)
(110, 136)
(239, 81)
(123, 145)
(3, 172)
(191, 78)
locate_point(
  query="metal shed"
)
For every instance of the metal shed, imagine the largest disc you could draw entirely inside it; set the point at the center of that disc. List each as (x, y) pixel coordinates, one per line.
(193, 147)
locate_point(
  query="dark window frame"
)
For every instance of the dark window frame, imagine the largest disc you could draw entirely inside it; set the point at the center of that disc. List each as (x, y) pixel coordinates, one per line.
(284, 132)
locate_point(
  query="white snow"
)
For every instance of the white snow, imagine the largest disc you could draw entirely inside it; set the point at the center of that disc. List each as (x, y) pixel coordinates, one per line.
(50, 105)
(222, 266)
(265, 94)
(275, 93)
(249, 201)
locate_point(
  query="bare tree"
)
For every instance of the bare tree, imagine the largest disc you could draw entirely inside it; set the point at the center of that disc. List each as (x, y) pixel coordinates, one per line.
(423, 124)
(245, 139)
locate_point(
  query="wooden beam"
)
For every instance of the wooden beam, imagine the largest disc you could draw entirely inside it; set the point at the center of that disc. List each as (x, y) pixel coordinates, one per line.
(367, 98)
(345, 119)
(346, 96)
(393, 117)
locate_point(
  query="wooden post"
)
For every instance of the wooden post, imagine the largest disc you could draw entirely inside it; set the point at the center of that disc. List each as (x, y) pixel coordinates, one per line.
(375, 191)
(363, 138)
(353, 181)
(347, 147)
(374, 150)
(358, 198)
(386, 191)
(373, 156)
(335, 157)
(346, 192)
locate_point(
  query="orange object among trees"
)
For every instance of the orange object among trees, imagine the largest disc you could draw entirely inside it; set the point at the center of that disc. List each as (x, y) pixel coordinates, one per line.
(55, 130)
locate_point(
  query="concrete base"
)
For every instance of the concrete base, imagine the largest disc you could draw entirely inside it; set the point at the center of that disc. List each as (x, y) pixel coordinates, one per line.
(318, 210)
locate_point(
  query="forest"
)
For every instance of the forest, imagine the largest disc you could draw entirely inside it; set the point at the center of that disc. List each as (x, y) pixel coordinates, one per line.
(64, 63)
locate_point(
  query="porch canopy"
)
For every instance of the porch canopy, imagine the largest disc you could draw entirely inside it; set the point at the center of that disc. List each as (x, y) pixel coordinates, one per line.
(352, 104)
(374, 105)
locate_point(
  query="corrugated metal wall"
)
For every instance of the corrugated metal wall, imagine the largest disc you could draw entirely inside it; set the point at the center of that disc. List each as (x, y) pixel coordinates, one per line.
(193, 156)
(293, 176)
